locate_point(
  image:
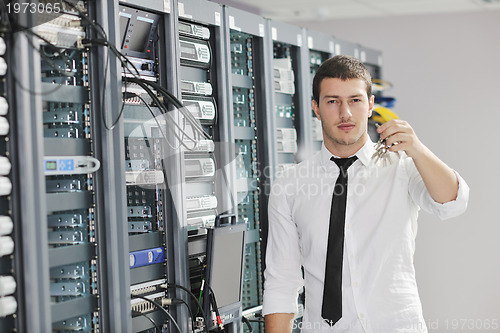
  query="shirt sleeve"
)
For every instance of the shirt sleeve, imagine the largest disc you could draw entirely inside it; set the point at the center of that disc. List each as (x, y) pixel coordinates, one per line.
(283, 275)
(421, 196)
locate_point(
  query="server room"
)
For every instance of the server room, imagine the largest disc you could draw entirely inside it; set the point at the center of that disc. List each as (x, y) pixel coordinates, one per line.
(245, 166)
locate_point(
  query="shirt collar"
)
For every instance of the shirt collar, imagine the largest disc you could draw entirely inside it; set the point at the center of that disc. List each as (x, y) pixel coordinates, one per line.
(364, 154)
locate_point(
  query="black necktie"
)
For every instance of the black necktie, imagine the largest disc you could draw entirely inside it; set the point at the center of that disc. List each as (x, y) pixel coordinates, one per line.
(331, 310)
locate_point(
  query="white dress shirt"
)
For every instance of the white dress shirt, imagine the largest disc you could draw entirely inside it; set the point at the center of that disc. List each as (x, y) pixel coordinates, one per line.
(379, 291)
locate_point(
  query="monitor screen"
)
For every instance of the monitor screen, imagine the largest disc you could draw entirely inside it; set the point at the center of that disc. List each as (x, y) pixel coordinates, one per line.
(225, 255)
(140, 36)
(124, 20)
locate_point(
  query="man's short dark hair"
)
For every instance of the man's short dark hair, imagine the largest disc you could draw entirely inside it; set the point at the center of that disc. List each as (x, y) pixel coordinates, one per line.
(341, 67)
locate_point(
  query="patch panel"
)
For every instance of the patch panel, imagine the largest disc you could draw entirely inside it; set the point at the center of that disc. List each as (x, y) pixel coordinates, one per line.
(147, 287)
(61, 30)
(143, 306)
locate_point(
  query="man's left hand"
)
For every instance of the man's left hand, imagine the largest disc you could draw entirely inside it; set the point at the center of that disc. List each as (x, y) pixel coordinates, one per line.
(399, 136)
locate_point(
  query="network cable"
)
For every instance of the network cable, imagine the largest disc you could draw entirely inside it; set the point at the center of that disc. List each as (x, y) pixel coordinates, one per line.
(159, 306)
(193, 297)
(165, 113)
(247, 322)
(138, 313)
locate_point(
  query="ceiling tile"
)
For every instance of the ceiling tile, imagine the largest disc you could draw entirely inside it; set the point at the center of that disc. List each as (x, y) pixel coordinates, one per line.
(299, 10)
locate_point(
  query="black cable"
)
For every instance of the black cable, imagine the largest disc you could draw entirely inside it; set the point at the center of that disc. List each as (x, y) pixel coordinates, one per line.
(162, 107)
(152, 114)
(247, 322)
(194, 297)
(189, 309)
(187, 114)
(124, 61)
(26, 31)
(158, 305)
(215, 307)
(139, 313)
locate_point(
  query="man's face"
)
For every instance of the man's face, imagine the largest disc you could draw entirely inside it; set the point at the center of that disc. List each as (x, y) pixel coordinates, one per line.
(344, 109)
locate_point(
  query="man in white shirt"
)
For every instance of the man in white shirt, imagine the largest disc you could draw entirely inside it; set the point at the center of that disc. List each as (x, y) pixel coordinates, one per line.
(378, 287)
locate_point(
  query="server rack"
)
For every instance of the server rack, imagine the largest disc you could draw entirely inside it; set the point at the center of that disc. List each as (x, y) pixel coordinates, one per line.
(347, 48)
(245, 50)
(58, 218)
(286, 103)
(320, 47)
(286, 100)
(201, 28)
(373, 61)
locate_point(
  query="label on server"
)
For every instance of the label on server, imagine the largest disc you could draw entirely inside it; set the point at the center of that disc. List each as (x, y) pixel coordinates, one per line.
(284, 146)
(199, 167)
(193, 30)
(198, 52)
(197, 88)
(285, 87)
(201, 202)
(286, 134)
(206, 221)
(146, 177)
(204, 111)
(283, 74)
(206, 146)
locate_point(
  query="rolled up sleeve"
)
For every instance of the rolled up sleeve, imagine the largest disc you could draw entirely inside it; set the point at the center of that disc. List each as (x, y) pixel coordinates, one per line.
(422, 197)
(283, 275)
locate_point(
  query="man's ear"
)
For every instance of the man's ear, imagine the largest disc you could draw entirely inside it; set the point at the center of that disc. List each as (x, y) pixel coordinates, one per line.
(371, 104)
(316, 108)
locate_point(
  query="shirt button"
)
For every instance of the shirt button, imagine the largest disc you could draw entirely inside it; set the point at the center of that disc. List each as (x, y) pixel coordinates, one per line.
(355, 284)
(361, 315)
(348, 226)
